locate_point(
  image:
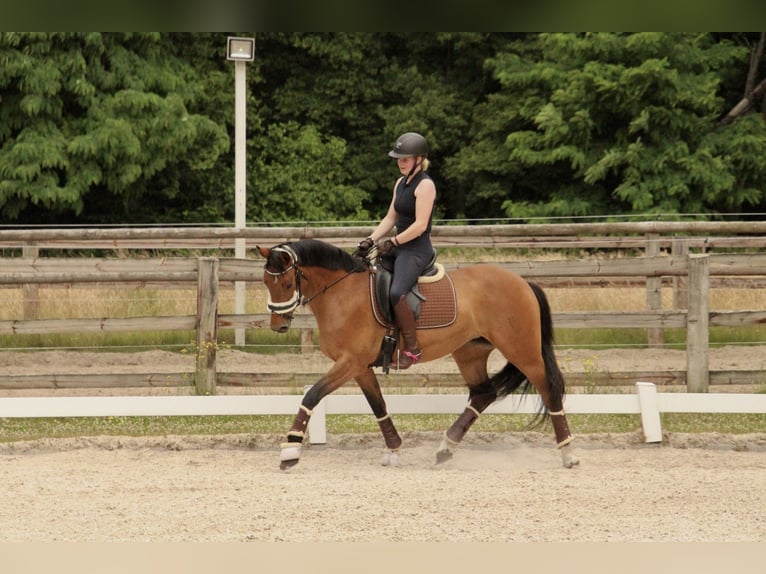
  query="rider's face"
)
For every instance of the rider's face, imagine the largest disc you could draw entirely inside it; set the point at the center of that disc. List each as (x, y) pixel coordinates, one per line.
(406, 164)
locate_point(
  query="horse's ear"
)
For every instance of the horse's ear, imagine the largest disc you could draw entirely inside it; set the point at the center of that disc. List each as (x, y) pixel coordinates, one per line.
(264, 251)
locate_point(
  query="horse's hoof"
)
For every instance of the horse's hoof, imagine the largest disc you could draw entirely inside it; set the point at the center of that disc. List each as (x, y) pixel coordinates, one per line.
(391, 459)
(571, 463)
(288, 464)
(443, 456)
(568, 457)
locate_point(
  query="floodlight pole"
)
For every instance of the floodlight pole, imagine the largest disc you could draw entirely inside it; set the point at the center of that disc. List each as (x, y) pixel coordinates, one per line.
(241, 51)
(240, 186)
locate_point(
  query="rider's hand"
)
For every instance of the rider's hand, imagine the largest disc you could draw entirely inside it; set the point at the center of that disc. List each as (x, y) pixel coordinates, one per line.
(364, 247)
(386, 247)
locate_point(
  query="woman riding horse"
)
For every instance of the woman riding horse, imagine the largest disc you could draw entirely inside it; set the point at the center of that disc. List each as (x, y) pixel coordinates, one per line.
(410, 250)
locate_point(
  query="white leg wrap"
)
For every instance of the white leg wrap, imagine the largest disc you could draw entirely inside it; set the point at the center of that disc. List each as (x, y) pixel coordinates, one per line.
(290, 451)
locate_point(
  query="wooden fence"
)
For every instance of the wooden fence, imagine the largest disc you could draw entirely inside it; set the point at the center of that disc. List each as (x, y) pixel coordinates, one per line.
(208, 272)
(690, 254)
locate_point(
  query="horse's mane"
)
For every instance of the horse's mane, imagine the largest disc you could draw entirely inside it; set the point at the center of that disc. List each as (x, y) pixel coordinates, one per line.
(315, 253)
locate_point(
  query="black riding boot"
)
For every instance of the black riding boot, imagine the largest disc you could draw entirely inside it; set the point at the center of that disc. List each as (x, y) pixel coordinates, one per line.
(405, 320)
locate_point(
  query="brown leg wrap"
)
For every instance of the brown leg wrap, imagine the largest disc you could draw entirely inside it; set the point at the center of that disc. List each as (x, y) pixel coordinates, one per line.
(392, 438)
(298, 430)
(458, 429)
(561, 428)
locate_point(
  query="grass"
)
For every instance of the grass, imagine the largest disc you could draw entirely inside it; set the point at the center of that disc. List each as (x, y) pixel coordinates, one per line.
(12, 430)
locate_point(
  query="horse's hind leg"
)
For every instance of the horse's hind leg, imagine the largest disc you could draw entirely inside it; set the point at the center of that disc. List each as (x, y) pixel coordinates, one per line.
(479, 398)
(368, 382)
(545, 376)
(471, 360)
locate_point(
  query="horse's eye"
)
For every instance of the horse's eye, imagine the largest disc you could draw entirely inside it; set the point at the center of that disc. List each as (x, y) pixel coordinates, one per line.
(289, 285)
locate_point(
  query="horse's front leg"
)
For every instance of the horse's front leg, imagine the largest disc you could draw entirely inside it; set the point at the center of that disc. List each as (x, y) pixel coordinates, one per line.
(368, 382)
(292, 449)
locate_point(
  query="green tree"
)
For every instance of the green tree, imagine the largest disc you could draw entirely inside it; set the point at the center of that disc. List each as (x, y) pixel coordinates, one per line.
(610, 123)
(136, 127)
(93, 124)
(293, 177)
(366, 89)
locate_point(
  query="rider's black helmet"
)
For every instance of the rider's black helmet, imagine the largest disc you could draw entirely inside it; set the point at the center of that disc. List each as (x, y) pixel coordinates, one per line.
(409, 145)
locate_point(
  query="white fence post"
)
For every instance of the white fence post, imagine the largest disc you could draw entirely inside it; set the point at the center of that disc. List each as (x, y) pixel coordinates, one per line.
(318, 422)
(650, 412)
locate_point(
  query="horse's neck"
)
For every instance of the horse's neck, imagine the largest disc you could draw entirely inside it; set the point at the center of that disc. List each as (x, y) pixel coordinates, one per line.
(329, 290)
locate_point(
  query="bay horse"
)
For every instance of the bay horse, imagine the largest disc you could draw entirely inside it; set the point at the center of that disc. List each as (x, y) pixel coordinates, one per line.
(495, 309)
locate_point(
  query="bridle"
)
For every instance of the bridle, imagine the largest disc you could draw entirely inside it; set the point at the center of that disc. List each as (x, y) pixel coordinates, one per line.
(286, 307)
(297, 298)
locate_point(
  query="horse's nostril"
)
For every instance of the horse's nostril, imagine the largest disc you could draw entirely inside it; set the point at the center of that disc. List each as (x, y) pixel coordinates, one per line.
(283, 329)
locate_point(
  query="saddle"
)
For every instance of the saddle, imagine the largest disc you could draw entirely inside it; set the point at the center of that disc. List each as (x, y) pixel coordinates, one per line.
(432, 301)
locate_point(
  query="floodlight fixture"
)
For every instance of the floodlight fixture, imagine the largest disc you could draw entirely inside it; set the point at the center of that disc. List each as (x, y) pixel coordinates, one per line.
(240, 49)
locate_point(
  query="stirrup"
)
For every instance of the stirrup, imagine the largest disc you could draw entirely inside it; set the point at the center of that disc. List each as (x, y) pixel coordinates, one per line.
(405, 364)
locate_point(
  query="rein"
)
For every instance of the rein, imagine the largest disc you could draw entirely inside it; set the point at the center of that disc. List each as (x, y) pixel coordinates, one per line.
(307, 300)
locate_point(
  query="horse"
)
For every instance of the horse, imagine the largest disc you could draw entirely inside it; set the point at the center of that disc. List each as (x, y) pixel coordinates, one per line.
(495, 309)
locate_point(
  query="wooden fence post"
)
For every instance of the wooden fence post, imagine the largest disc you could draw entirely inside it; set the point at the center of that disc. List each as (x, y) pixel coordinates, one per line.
(207, 325)
(30, 291)
(680, 247)
(697, 322)
(307, 340)
(655, 335)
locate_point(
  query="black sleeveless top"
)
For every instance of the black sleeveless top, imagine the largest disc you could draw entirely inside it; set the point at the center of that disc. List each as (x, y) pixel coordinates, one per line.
(404, 203)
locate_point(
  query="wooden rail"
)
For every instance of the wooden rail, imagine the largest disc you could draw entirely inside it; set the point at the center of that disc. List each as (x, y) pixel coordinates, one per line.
(208, 272)
(699, 235)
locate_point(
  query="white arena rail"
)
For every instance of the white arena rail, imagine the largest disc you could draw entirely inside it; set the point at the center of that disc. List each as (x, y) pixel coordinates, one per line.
(646, 402)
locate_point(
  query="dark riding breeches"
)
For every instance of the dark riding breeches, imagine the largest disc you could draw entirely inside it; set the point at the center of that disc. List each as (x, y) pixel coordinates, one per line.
(408, 266)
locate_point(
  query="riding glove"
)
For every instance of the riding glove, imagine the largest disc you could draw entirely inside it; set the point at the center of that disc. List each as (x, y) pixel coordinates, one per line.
(363, 248)
(386, 247)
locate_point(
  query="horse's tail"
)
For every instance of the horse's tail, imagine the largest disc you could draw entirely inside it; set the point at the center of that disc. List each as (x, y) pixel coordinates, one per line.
(556, 386)
(511, 379)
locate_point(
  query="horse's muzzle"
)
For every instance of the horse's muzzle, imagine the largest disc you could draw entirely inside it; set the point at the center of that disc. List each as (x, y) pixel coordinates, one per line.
(280, 323)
